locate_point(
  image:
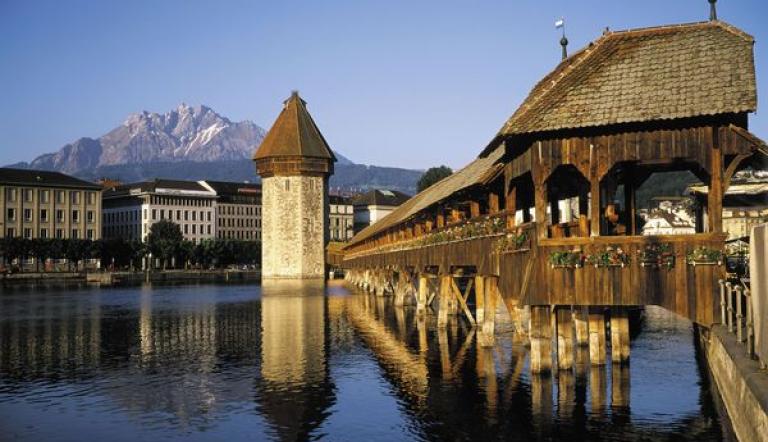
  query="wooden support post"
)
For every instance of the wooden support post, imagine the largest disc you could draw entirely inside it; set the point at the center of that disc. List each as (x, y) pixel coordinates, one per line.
(444, 298)
(594, 206)
(400, 291)
(541, 339)
(493, 203)
(511, 206)
(597, 337)
(619, 335)
(459, 299)
(480, 299)
(564, 321)
(581, 324)
(541, 210)
(474, 209)
(440, 220)
(421, 300)
(488, 326)
(715, 195)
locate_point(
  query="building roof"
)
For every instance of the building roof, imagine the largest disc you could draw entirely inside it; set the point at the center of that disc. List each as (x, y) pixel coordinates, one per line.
(160, 184)
(233, 188)
(294, 134)
(380, 197)
(476, 172)
(340, 200)
(641, 75)
(31, 177)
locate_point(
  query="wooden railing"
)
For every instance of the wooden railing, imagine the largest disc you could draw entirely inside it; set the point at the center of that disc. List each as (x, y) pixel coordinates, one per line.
(736, 314)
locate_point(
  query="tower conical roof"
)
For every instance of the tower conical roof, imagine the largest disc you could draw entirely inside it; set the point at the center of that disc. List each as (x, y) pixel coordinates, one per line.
(294, 134)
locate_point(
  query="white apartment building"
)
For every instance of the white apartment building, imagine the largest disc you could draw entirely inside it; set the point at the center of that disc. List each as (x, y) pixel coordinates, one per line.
(130, 210)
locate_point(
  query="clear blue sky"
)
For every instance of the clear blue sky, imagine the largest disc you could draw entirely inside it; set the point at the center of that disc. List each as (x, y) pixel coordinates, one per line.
(397, 83)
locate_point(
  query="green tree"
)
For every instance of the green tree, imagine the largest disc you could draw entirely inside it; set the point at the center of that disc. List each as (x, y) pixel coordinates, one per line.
(41, 250)
(77, 250)
(164, 240)
(433, 175)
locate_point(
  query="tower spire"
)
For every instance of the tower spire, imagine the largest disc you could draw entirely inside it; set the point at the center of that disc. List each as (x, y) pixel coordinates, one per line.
(560, 24)
(712, 10)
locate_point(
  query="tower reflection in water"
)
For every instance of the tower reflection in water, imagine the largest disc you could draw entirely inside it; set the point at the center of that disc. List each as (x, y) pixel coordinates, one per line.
(269, 361)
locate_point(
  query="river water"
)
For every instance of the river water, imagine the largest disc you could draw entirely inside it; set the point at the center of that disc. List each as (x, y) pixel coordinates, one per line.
(244, 362)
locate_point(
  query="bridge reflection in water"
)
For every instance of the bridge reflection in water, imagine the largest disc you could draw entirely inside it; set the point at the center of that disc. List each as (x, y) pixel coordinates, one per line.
(297, 363)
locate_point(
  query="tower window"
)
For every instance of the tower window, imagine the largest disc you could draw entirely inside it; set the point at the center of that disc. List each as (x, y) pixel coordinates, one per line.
(287, 184)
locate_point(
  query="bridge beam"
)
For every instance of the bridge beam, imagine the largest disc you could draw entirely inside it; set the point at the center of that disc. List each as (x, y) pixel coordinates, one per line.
(423, 296)
(444, 297)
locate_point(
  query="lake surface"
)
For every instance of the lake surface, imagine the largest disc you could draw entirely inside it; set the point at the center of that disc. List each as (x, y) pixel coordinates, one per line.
(244, 362)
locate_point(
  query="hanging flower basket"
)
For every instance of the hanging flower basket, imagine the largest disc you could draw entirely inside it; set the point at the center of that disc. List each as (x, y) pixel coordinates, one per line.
(512, 242)
(657, 256)
(704, 256)
(567, 259)
(611, 256)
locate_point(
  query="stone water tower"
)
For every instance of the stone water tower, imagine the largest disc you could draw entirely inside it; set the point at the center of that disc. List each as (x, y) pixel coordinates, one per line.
(294, 162)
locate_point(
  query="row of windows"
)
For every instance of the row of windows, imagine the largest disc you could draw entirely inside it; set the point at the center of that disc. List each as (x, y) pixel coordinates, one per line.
(178, 201)
(337, 208)
(239, 234)
(121, 217)
(122, 231)
(240, 210)
(11, 194)
(188, 214)
(59, 233)
(90, 215)
(337, 221)
(238, 222)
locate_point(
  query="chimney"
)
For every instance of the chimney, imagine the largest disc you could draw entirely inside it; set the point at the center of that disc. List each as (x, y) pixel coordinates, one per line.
(712, 10)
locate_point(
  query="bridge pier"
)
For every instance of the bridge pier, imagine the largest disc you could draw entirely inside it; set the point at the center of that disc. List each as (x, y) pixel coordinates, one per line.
(597, 336)
(581, 325)
(564, 327)
(619, 335)
(541, 339)
(444, 297)
(423, 296)
(489, 295)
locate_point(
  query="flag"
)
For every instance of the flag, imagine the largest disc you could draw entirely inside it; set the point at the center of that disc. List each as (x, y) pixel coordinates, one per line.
(560, 23)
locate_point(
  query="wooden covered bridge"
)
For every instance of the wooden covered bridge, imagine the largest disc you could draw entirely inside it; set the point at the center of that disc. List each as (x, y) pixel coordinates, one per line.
(545, 218)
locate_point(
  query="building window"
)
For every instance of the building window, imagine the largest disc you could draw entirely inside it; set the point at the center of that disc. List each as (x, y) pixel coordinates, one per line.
(44, 196)
(75, 197)
(178, 215)
(44, 215)
(209, 216)
(10, 194)
(59, 216)
(162, 213)
(89, 233)
(287, 184)
(89, 216)
(43, 233)
(186, 215)
(145, 214)
(154, 214)
(75, 216)
(59, 233)
(194, 215)
(186, 229)
(27, 232)
(91, 198)
(74, 234)
(11, 232)
(194, 229)
(11, 215)
(28, 195)
(209, 229)
(27, 214)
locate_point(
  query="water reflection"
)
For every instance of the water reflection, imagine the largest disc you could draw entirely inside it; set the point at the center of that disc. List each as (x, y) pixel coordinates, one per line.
(298, 362)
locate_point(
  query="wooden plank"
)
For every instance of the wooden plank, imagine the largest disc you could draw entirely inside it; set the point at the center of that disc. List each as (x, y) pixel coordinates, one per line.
(462, 302)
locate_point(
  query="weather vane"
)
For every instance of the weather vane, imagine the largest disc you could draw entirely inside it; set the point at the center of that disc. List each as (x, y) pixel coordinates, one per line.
(560, 24)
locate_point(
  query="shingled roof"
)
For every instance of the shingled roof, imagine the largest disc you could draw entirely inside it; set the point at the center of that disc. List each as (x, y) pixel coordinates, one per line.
(476, 172)
(381, 197)
(645, 74)
(294, 134)
(32, 177)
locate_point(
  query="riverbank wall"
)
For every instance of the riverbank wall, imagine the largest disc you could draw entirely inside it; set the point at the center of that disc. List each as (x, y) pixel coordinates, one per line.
(742, 385)
(107, 278)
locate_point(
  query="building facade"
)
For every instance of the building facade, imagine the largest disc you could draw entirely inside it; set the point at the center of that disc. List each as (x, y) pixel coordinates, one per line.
(238, 210)
(130, 210)
(374, 205)
(42, 204)
(294, 162)
(342, 218)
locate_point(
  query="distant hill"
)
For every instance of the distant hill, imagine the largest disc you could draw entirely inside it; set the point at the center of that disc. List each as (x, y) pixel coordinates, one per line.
(193, 143)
